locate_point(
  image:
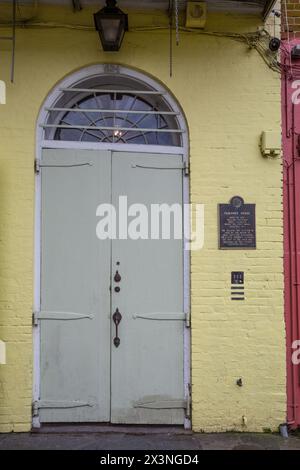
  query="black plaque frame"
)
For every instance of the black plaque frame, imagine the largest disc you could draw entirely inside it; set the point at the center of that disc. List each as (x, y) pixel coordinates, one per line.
(240, 240)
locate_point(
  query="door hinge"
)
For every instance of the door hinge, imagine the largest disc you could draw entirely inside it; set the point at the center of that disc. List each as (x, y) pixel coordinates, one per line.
(35, 408)
(161, 403)
(35, 318)
(161, 316)
(36, 166)
(188, 319)
(51, 315)
(186, 168)
(58, 404)
(157, 403)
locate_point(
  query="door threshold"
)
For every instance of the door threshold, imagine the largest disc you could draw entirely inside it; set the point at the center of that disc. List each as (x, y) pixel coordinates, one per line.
(107, 428)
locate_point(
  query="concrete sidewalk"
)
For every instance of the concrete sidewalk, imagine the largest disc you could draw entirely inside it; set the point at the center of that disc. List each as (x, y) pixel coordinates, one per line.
(108, 438)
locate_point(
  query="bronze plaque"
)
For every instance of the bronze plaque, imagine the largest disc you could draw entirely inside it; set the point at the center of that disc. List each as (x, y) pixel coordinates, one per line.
(237, 225)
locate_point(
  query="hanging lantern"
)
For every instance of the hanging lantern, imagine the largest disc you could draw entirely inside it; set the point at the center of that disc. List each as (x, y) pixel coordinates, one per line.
(111, 24)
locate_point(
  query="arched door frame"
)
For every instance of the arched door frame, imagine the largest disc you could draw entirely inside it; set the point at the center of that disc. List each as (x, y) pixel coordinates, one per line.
(41, 144)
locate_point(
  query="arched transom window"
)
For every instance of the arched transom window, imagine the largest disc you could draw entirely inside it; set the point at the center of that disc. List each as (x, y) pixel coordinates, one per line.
(113, 109)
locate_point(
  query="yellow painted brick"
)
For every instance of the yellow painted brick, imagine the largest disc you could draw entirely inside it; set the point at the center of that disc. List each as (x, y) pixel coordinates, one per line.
(229, 97)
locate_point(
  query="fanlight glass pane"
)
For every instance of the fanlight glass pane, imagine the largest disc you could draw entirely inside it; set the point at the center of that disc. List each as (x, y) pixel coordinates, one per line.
(118, 118)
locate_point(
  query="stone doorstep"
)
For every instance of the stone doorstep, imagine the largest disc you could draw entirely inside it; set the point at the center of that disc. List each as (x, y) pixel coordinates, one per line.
(109, 429)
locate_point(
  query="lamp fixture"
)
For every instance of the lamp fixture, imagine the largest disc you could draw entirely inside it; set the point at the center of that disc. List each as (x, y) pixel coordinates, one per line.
(111, 24)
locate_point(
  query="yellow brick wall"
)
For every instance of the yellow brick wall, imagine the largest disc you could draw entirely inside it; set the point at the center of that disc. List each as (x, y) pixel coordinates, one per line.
(229, 96)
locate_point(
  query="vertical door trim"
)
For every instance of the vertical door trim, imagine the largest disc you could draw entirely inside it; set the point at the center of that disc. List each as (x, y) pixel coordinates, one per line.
(37, 289)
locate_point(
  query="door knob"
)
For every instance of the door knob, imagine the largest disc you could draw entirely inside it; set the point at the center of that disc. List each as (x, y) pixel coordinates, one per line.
(117, 317)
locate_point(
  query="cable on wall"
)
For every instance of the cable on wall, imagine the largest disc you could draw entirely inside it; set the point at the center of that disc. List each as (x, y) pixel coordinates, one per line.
(288, 33)
(258, 40)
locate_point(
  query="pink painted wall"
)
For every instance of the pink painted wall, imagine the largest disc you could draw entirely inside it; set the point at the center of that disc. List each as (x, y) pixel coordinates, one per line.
(291, 206)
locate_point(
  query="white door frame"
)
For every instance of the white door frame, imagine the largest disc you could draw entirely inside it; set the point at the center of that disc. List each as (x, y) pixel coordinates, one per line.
(41, 144)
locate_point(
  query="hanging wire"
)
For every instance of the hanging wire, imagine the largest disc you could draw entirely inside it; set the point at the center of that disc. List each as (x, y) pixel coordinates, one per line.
(173, 12)
(288, 34)
(256, 40)
(171, 7)
(177, 22)
(12, 70)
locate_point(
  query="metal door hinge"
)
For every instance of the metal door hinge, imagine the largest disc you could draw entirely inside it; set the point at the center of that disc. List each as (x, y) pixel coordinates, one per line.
(35, 408)
(58, 404)
(163, 403)
(162, 316)
(186, 169)
(35, 318)
(38, 165)
(51, 315)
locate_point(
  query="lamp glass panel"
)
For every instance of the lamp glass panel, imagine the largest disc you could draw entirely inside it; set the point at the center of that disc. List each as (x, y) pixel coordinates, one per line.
(110, 29)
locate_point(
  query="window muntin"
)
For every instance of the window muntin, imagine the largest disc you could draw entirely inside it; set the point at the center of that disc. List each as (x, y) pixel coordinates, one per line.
(118, 116)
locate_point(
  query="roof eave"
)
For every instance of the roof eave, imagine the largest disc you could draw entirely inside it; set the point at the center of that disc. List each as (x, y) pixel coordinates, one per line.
(268, 8)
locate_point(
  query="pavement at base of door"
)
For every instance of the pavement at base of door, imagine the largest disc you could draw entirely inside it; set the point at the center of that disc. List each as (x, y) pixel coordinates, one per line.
(56, 439)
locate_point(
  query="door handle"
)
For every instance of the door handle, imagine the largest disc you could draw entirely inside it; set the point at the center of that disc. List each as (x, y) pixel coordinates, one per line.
(117, 317)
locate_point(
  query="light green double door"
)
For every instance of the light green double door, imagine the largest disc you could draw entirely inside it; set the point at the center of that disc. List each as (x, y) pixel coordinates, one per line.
(87, 375)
